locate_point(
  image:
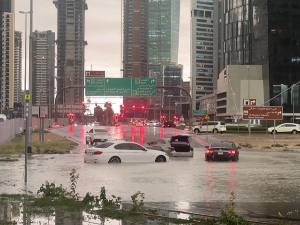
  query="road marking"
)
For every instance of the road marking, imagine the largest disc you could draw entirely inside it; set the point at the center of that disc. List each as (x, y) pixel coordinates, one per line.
(203, 142)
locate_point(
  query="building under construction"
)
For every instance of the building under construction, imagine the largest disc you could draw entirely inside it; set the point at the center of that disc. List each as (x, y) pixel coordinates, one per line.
(70, 49)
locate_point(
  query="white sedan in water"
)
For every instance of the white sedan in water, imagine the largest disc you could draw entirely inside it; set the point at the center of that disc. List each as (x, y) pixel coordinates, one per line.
(119, 151)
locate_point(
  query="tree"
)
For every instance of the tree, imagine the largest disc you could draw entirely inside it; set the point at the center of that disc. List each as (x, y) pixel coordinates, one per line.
(108, 112)
(98, 114)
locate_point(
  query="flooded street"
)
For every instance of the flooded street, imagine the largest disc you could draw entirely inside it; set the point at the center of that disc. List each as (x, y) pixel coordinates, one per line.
(263, 182)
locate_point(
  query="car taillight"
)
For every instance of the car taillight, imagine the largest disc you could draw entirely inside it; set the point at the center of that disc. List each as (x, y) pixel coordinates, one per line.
(98, 153)
(231, 151)
(209, 151)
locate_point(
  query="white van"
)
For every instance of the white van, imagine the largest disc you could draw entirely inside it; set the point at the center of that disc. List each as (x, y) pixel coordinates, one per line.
(3, 118)
(210, 126)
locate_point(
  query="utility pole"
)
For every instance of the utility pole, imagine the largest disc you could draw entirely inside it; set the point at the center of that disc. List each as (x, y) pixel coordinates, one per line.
(249, 123)
(28, 142)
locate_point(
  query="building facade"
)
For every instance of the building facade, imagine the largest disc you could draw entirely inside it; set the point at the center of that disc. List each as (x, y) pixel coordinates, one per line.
(43, 45)
(7, 77)
(172, 76)
(135, 40)
(8, 7)
(202, 28)
(18, 97)
(70, 49)
(265, 33)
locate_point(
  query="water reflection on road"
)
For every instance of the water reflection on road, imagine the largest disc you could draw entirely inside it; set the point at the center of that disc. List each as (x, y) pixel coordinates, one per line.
(259, 179)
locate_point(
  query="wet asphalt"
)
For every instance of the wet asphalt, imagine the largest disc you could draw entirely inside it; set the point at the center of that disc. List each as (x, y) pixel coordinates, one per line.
(264, 182)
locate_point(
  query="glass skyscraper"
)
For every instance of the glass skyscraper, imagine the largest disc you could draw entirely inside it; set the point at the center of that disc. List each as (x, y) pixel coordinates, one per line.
(265, 32)
(163, 37)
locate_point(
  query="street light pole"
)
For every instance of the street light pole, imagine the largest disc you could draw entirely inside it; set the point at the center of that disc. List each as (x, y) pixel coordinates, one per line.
(293, 103)
(28, 142)
(25, 72)
(249, 123)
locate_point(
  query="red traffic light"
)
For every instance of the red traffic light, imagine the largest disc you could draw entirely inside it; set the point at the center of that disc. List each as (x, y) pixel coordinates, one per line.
(143, 107)
(133, 106)
(122, 106)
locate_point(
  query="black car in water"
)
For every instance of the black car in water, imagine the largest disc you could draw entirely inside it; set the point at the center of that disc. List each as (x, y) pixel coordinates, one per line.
(222, 150)
(169, 124)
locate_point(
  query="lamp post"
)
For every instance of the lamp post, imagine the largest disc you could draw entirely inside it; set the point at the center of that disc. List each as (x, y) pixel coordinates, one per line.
(25, 73)
(293, 102)
(249, 123)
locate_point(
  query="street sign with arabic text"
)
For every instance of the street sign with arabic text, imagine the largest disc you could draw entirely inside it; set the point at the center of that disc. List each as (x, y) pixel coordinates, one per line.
(262, 112)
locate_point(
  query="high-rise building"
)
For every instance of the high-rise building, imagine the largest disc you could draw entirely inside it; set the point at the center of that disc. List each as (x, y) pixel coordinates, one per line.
(202, 28)
(135, 40)
(265, 33)
(6, 6)
(163, 43)
(172, 76)
(43, 48)
(7, 77)
(70, 49)
(18, 97)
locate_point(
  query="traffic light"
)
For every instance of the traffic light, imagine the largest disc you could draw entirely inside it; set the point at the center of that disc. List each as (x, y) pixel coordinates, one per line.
(133, 106)
(143, 107)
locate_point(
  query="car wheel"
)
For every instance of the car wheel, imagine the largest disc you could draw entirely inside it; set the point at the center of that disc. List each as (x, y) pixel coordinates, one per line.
(197, 131)
(114, 159)
(160, 159)
(294, 132)
(273, 132)
(215, 131)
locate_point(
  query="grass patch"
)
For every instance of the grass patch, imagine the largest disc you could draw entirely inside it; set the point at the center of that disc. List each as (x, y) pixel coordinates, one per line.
(244, 129)
(246, 145)
(278, 145)
(52, 144)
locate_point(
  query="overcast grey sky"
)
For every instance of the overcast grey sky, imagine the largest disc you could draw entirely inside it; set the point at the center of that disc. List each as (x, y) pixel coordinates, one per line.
(103, 31)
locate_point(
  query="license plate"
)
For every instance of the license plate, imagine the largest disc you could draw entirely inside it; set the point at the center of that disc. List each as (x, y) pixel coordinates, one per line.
(90, 153)
(220, 153)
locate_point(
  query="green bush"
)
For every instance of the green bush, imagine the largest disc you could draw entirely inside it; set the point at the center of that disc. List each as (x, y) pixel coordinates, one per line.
(245, 129)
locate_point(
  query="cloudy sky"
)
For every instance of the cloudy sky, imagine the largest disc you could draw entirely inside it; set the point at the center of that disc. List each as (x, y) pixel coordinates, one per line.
(103, 31)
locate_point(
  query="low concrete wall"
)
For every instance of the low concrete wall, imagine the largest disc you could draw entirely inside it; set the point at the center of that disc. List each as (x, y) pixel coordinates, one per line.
(10, 128)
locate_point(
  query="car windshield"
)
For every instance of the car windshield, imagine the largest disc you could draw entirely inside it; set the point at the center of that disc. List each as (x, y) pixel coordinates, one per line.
(101, 131)
(105, 145)
(221, 145)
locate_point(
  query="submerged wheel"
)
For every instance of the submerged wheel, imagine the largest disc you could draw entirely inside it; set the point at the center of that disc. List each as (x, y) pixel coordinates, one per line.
(114, 159)
(160, 159)
(197, 131)
(215, 131)
(294, 132)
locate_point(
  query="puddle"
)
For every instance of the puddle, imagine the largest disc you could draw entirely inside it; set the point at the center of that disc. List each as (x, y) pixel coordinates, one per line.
(15, 213)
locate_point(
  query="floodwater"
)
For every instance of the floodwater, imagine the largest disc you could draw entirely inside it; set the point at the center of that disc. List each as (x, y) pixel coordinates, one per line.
(263, 182)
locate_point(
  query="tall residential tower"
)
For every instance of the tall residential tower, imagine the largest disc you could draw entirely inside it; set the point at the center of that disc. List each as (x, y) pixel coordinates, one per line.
(202, 27)
(43, 45)
(18, 94)
(70, 49)
(7, 36)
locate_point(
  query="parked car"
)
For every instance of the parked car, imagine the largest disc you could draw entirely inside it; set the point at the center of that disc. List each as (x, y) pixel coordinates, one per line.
(180, 145)
(139, 123)
(162, 144)
(169, 124)
(97, 135)
(285, 128)
(3, 117)
(153, 123)
(55, 125)
(120, 151)
(210, 126)
(225, 150)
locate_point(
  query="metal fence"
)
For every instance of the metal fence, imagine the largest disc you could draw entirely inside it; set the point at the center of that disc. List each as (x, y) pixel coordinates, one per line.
(9, 128)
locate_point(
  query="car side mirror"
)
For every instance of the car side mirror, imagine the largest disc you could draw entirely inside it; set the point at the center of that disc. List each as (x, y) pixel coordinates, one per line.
(206, 146)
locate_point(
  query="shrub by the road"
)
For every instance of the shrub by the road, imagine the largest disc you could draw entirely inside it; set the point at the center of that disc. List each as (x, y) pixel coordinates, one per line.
(51, 198)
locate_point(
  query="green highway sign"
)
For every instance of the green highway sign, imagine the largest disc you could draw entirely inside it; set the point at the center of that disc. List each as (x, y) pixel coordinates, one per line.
(94, 86)
(117, 87)
(98, 86)
(200, 112)
(143, 87)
